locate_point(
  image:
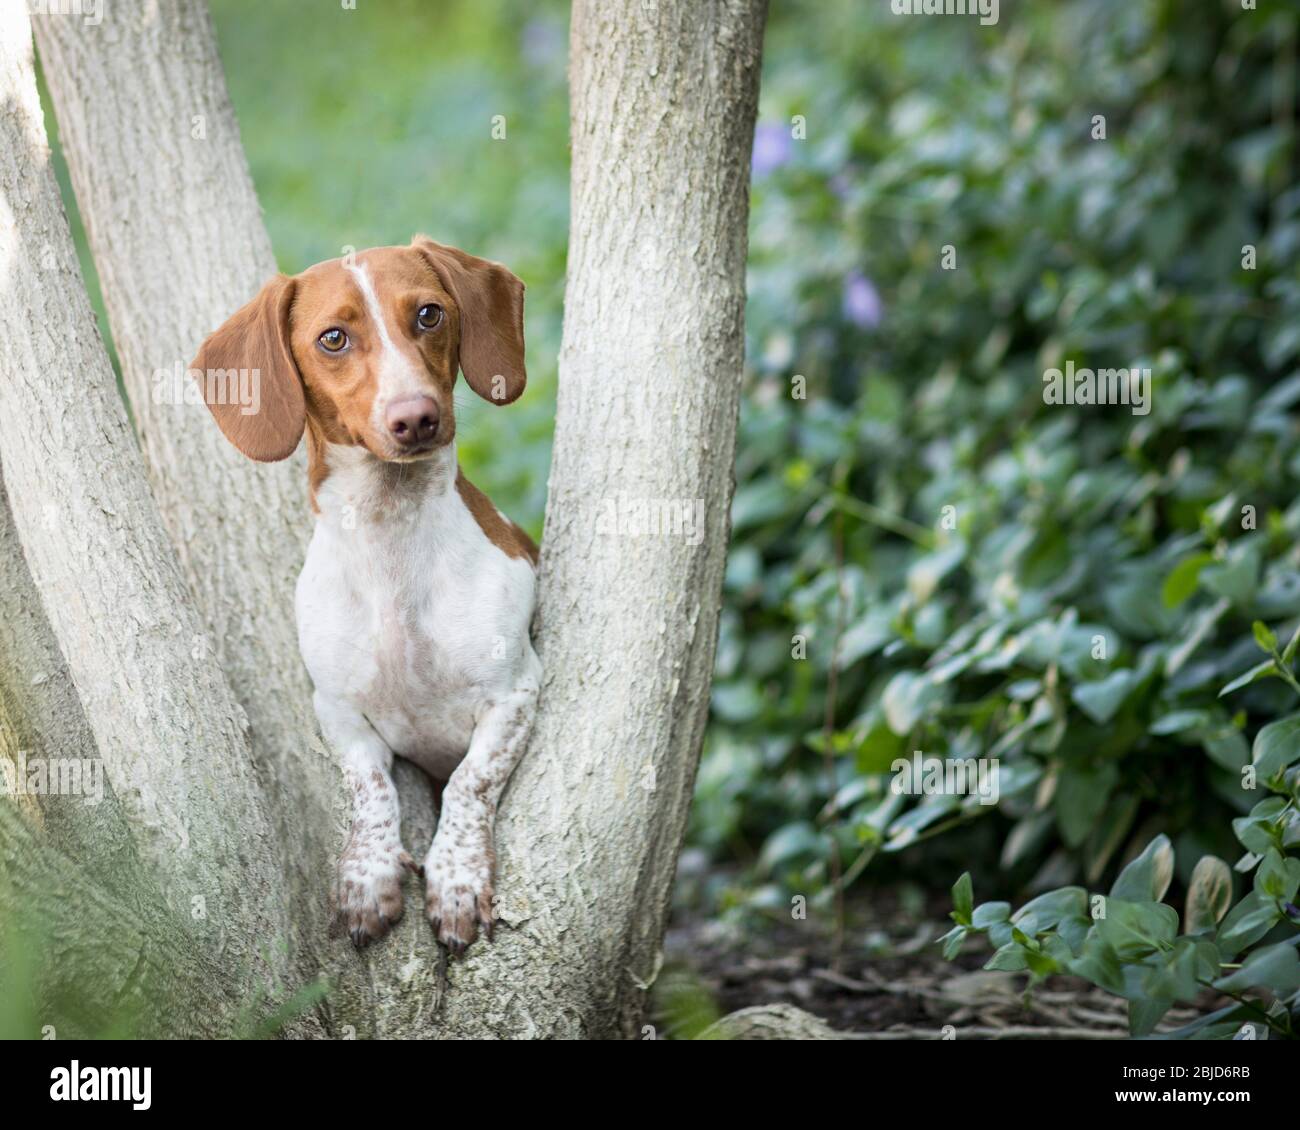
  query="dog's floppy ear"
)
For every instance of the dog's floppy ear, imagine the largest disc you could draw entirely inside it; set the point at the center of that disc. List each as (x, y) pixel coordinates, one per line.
(491, 303)
(255, 339)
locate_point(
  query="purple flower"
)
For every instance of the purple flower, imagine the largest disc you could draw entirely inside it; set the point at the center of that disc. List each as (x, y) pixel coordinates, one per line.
(862, 305)
(773, 147)
(542, 42)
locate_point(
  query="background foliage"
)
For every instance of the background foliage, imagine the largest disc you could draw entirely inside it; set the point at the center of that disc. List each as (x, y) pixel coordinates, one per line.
(925, 391)
(1164, 536)
(1097, 593)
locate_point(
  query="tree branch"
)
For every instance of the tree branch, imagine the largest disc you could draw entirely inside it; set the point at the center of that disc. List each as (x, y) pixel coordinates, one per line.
(164, 721)
(178, 251)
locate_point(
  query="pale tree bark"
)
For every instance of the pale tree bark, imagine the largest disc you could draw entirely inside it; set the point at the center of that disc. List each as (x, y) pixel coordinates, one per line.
(113, 955)
(663, 106)
(663, 100)
(179, 244)
(163, 720)
(770, 1022)
(41, 716)
(72, 887)
(177, 252)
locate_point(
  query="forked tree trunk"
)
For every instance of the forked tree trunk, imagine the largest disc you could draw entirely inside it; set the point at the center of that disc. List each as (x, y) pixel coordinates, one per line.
(663, 101)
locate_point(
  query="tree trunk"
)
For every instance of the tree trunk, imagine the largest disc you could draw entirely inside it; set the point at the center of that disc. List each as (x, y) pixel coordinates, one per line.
(663, 106)
(169, 732)
(663, 112)
(176, 256)
(41, 716)
(178, 251)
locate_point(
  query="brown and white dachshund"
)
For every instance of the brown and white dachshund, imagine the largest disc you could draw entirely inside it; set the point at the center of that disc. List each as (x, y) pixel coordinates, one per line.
(415, 600)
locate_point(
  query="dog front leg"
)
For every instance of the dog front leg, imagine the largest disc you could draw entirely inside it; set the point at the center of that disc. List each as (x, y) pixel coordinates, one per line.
(459, 866)
(368, 888)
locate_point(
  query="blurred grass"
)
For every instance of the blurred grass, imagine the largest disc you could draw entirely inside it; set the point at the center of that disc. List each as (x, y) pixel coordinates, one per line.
(363, 127)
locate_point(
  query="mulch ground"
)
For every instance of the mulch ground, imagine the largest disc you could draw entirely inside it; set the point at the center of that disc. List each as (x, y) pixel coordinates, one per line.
(889, 981)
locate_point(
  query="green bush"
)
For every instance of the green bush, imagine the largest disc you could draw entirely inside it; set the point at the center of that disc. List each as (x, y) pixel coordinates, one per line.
(1064, 589)
(1129, 943)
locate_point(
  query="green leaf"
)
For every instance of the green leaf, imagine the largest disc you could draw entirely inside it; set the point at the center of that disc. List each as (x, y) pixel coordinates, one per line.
(1194, 634)
(1147, 878)
(909, 696)
(1236, 578)
(1134, 602)
(1048, 909)
(1009, 959)
(1101, 700)
(1260, 832)
(1277, 746)
(877, 749)
(953, 941)
(789, 843)
(1278, 876)
(1081, 796)
(1181, 582)
(989, 913)
(1275, 968)
(1252, 918)
(907, 828)
(1074, 930)
(1000, 933)
(1145, 1013)
(1209, 895)
(1264, 637)
(1181, 970)
(1259, 671)
(1257, 836)
(963, 899)
(1135, 929)
(1042, 964)
(1099, 964)
(1179, 721)
(1227, 747)
(1290, 652)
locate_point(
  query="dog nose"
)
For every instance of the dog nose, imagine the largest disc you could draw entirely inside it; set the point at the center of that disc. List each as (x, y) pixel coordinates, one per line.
(412, 420)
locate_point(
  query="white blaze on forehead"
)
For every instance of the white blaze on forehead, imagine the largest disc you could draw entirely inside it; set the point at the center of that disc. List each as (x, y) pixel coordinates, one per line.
(397, 377)
(371, 299)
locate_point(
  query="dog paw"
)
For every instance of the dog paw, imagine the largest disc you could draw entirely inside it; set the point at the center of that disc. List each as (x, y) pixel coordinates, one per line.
(368, 896)
(458, 894)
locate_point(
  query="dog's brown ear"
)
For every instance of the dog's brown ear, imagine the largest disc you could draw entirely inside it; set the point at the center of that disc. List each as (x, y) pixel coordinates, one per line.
(491, 303)
(250, 354)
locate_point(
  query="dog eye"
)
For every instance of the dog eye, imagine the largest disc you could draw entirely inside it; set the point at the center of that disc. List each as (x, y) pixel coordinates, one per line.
(429, 317)
(333, 341)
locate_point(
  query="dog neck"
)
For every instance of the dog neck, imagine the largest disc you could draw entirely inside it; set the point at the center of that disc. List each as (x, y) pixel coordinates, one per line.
(362, 489)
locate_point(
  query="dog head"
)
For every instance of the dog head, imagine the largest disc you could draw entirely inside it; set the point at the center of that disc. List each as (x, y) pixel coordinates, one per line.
(364, 351)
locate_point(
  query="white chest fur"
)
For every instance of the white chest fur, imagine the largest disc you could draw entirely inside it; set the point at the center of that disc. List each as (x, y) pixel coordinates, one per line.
(407, 612)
